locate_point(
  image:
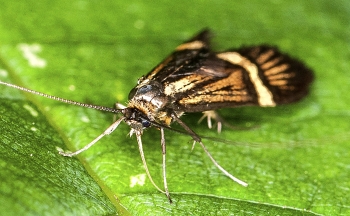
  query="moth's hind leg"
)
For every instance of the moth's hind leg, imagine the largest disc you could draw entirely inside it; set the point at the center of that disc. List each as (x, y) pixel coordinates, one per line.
(211, 114)
(219, 121)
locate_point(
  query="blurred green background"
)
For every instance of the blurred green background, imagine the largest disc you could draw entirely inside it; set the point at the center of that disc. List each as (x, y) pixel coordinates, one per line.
(295, 158)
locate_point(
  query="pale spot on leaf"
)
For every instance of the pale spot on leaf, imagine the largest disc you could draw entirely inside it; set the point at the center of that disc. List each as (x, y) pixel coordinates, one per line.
(85, 119)
(71, 87)
(31, 110)
(137, 180)
(139, 24)
(3, 73)
(30, 53)
(33, 129)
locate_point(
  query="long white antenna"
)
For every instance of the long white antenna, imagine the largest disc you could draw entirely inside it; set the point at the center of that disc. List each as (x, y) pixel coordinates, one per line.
(91, 106)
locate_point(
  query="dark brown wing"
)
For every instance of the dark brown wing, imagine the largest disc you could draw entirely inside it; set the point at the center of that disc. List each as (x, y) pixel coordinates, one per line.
(186, 57)
(197, 79)
(286, 78)
(216, 83)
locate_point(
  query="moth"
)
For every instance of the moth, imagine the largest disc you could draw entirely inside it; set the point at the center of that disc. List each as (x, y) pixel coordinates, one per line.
(196, 79)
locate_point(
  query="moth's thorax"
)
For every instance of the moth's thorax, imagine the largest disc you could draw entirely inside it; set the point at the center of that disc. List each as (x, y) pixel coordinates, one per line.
(148, 98)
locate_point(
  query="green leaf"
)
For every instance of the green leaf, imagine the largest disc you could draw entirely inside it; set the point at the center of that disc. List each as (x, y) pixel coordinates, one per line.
(295, 157)
(34, 178)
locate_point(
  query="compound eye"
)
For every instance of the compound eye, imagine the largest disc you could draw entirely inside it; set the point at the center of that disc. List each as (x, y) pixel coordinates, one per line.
(132, 93)
(146, 123)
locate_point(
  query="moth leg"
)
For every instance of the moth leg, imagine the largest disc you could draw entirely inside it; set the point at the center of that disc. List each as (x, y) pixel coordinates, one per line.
(139, 142)
(196, 138)
(162, 141)
(211, 114)
(108, 131)
(221, 168)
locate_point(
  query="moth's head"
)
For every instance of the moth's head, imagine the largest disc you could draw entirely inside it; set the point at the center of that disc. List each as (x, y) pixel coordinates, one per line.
(148, 103)
(136, 119)
(150, 93)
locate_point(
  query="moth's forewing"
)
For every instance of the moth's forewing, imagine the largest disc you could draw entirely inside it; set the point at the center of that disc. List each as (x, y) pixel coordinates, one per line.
(197, 79)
